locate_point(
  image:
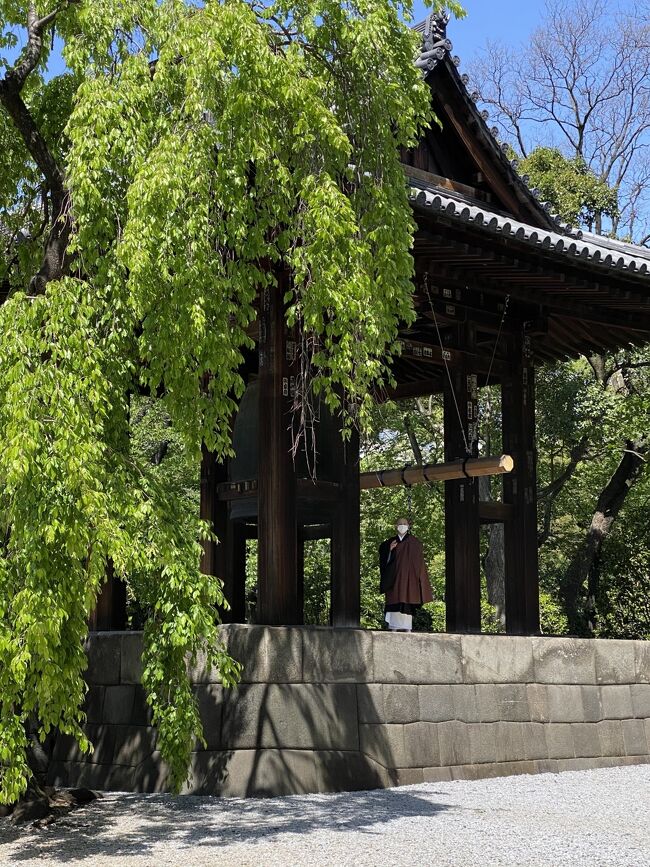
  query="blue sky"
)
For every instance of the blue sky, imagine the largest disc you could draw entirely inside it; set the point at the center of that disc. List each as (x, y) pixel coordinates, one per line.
(510, 21)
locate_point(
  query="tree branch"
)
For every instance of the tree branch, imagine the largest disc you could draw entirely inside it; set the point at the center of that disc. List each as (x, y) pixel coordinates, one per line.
(11, 85)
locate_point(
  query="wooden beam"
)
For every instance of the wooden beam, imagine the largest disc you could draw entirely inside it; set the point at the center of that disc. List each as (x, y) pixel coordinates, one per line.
(493, 512)
(429, 353)
(458, 469)
(444, 183)
(483, 162)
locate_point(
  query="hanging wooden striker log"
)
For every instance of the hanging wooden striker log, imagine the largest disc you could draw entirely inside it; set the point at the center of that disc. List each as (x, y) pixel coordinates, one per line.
(470, 468)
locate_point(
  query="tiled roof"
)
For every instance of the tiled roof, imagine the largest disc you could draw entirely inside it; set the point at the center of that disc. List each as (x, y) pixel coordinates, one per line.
(599, 251)
(436, 50)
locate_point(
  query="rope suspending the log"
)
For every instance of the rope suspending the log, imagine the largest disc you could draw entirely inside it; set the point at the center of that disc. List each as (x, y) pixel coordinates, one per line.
(461, 423)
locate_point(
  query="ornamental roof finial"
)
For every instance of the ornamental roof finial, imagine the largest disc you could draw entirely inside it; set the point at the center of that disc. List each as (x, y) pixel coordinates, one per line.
(434, 43)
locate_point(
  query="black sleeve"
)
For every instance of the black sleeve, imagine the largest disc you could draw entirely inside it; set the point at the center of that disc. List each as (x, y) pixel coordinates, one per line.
(386, 569)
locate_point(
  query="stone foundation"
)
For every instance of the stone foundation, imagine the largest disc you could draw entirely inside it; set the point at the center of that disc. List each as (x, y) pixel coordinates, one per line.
(341, 709)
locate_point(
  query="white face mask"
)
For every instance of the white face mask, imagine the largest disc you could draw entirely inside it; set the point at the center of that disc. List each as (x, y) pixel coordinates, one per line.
(402, 529)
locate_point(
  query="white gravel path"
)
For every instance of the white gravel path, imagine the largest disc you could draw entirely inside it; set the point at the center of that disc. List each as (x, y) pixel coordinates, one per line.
(583, 818)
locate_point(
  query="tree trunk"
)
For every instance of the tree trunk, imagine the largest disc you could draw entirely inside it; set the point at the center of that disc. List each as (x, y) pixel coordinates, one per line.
(583, 571)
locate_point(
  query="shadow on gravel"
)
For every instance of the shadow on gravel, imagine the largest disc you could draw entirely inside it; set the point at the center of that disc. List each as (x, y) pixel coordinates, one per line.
(188, 821)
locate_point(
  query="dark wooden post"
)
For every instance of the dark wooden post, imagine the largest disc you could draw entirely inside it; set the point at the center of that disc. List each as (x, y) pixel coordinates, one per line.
(345, 609)
(520, 490)
(462, 525)
(277, 547)
(110, 610)
(235, 572)
(223, 558)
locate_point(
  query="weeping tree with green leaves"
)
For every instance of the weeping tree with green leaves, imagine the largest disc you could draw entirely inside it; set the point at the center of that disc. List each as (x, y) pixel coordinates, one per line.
(188, 153)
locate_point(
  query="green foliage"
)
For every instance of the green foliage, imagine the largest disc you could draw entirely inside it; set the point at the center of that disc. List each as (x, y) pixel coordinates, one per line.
(573, 190)
(262, 134)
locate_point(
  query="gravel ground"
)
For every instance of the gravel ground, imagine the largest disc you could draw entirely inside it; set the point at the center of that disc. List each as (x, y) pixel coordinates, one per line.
(597, 817)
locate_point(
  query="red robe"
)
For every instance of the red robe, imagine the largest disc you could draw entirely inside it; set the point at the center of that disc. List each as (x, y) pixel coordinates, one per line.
(404, 573)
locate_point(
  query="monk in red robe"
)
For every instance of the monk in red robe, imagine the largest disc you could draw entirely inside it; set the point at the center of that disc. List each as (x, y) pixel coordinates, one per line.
(404, 577)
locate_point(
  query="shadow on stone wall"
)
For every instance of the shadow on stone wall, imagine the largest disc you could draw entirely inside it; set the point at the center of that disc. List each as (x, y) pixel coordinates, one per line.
(340, 709)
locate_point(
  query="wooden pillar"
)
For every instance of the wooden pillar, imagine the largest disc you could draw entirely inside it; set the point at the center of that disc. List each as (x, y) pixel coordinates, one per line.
(345, 608)
(462, 525)
(277, 546)
(235, 572)
(223, 558)
(300, 568)
(520, 490)
(110, 610)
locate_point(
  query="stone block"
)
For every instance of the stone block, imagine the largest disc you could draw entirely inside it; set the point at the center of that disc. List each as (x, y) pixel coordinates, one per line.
(269, 654)
(465, 772)
(349, 772)
(436, 775)
(141, 713)
(534, 741)
(482, 742)
(436, 702)
(133, 744)
(546, 766)
(559, 740)
(152, 775)
(646, 723)
(421, 745)
(509, 742)
(617, 702)
(564, 660)
(401, 703)
(336, 655)
(409, 776)
(94, 704)
(615, 661)
(290, 716)
(453, 738)
(253, 773)
(384, 744)
(641, 700)
(487, 702)
(591, 703)
(610, 733)
(577, 764)
(210, 699)
(416, 658)
(118, 705)
(120, 778)
(642, 661)
(103, 650)
(370, 703)
(634, 737)
(497, 659)
(131, 657)
(586, 741)
(91, 776)
(102, 737)
(564, 703)
(66, 749)
(464, 702)
(512, 701)
(538, 702)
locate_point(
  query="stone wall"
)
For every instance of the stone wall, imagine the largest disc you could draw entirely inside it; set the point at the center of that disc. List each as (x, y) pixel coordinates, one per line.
(324, 710)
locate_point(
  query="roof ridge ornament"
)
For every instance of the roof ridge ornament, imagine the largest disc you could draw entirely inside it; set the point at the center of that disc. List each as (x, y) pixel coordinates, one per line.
(434, 42)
